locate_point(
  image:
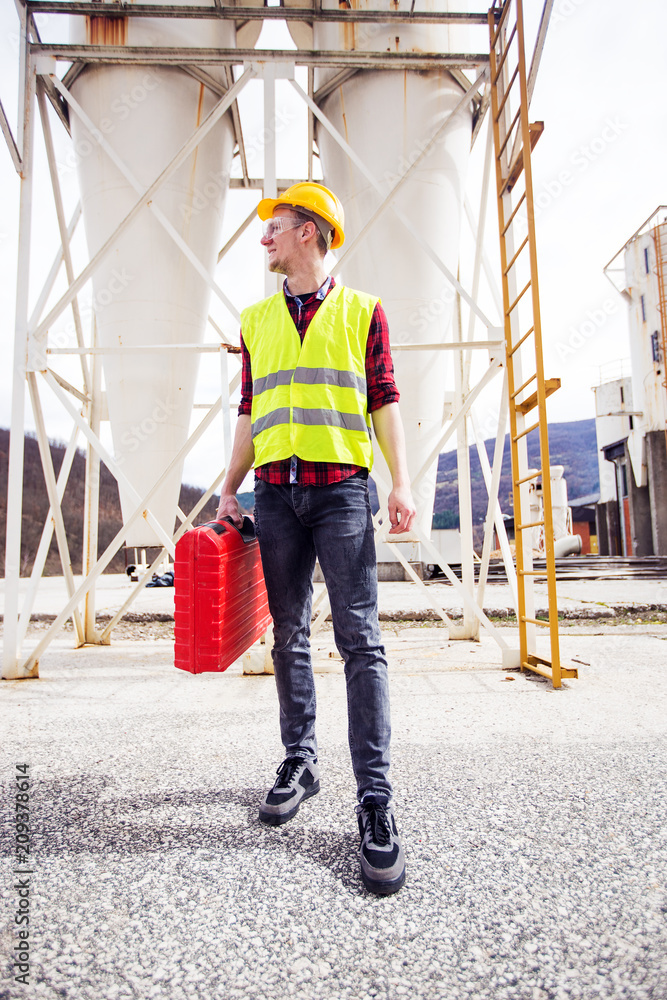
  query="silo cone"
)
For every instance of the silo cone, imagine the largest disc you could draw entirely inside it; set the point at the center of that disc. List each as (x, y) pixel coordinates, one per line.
(388, 118)
(145, 291)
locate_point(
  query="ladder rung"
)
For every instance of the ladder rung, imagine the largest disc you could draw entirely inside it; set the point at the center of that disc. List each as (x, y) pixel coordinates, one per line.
(533, 659)
(535, 621)
(530, 524)
(507, 94)
(534, 662)
(526, 405)
(519, 296)
(516, 209)
(511, 263)
(526, 479)
(503, 57)
(537, 670)
(522, 387)
(532, 572)
(526, 430)
(508, 134)
(518, 344)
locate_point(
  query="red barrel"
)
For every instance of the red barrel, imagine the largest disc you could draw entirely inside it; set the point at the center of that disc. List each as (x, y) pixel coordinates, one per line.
(220, 603)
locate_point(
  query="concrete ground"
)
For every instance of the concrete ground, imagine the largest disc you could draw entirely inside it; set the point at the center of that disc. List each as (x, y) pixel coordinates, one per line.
(534, 822)
(112, 590)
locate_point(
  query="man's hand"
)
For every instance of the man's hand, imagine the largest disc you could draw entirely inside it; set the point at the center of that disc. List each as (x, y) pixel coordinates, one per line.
(401, 510)
(229, 507)
(389, 433)
(241, 461)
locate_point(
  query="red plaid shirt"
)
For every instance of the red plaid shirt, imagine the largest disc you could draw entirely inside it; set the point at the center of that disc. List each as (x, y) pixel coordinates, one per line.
(379, 378)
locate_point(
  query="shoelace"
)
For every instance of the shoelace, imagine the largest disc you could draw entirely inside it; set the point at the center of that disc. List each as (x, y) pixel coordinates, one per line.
(287, 770)
(378, 820)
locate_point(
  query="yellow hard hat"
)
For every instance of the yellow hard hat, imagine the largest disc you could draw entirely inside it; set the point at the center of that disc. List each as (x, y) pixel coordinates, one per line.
(314, 198)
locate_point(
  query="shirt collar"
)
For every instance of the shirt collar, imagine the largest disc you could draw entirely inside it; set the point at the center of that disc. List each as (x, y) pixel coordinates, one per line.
(320, 294)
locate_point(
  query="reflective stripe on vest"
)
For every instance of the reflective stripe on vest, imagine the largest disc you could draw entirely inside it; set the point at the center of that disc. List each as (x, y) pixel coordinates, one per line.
(310, 398)
(310, 376)
(312, 418)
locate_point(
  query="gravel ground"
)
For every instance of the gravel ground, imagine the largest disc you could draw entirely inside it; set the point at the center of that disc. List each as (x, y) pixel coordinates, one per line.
(534, 823)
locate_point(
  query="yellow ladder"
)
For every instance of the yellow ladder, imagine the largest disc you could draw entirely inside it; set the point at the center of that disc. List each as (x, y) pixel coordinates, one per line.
(514, 137)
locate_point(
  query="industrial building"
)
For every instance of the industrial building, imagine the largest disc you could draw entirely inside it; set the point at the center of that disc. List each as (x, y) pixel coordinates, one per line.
(631, 410)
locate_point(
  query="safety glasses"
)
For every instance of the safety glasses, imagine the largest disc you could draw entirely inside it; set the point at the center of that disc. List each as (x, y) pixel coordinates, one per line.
(273, 227)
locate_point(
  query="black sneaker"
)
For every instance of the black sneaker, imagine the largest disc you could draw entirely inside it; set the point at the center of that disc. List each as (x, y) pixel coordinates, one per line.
(298, 779)
(381, 851)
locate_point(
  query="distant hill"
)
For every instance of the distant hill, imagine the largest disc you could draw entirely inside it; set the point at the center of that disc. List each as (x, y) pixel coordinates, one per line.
(572, 444)
(36, 506)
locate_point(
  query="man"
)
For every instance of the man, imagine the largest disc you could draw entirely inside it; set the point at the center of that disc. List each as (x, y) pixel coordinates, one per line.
(316, 363)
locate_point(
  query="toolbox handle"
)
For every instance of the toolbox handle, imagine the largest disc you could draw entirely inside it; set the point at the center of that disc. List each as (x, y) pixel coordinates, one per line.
(246, 531)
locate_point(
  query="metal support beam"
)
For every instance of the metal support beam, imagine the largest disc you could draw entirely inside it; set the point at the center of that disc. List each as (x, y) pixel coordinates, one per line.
(11, 142)
(10, 664)
(155, 56)
(52, 493)
(62, 227)
(278, 13)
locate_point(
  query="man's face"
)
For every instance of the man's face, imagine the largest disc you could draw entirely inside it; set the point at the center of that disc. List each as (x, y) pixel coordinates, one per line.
(284, 248)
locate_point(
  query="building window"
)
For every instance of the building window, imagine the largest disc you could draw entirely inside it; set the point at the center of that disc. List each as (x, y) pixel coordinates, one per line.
(642, 303)
(646, 264)
(655, 346)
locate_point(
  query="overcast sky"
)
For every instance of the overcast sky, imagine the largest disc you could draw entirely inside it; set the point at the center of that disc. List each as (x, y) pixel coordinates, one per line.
(599, 171)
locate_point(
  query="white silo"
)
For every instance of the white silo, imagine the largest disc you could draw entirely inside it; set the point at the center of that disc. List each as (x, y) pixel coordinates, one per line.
(145, 292)
(388, 117)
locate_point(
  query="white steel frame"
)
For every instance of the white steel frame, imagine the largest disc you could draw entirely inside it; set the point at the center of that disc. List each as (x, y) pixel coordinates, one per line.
(32, 355)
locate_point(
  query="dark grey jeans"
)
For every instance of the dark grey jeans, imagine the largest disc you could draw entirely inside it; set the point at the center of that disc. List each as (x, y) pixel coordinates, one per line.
(296, 524)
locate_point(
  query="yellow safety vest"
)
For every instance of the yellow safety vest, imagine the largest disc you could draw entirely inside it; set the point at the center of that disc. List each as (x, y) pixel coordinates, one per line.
(310, 399)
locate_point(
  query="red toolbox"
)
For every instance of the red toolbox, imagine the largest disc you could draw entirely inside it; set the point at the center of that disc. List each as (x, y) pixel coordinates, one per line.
(220, 603)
